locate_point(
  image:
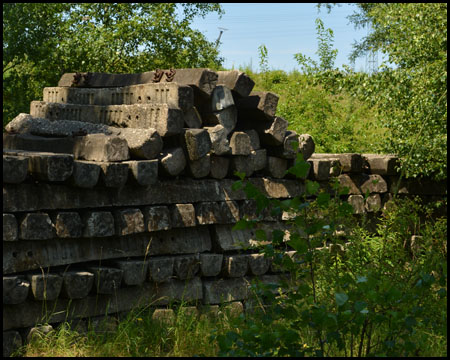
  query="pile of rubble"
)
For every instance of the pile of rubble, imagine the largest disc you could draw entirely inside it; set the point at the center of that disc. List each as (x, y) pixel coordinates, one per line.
(189, 122)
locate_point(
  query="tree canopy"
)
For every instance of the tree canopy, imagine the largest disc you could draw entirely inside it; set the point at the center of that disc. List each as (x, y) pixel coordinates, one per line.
(42, 41)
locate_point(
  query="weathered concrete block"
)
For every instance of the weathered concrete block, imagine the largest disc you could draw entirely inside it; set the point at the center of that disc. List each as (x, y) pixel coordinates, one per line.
(38, 331)
(67, 224)
(219, 166)
(320, 169)
(219, 141)
(200, 168)
(210, 264)
(226, 117)
(254, 139)
(10, 229)
(258, 264)
(157, 218)
(76, 284)
(224, 239)
(128, 221)
(373, 183)
(134, 271)
(288, 149)
(142, 143)
(221, 98)
(186, 266)
(45, 286)
(98, 224)
(373, 203)
(15, 289)
(274, 134)
(166, 120)
(49, 166)
(202, 79)
(346, 181)
(350, 162)
(38, 143)
(144, 172)
(262, 101)
(85, 173)
(229, 211)
(306, 145)
(36, 226)
(357, 201)
(207, 213)
(241, 163)
(382, 164)
(172, 161)
(114, 175)
(258, 159)
(100, 147)
(160, 268)
(192, 118)
(237, 81)
(276, 167)
(171, 94)
(240, 143)
(106, 280)
(15, 169)
(11, 342)
(235, 265)
(197, 142)
(182, 215)
(223, 290)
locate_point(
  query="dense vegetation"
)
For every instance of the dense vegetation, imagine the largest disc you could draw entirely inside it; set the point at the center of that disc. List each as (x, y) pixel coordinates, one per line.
(378, 294)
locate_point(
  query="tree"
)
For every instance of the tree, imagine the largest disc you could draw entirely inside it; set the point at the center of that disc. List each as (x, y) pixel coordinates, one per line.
(410, 90)
(42, 41)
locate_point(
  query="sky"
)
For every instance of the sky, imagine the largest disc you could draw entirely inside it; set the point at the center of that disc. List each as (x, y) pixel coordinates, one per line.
(284, 29)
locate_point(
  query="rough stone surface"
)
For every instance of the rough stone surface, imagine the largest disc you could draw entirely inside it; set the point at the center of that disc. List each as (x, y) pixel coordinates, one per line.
(224, 239)
(258, 159)
(182, 215)
(235, 265)
(128, 221)
(106, 280)
(172, 161)
(306, 145)
(346, 181)
(98, 224)
(254, 139)
(38, 331)
(76, 284)
(15, 169)
(274, 134)
(262, 101)
(372, 183)
(320, 169)
(100, 147)
(357, 201)
(113, 175)
(242, 164)
(373, 203)
(144, 172)
(221, 98)
(160, 268)
(10, 229)
(164, 316)
(85, 173)
(226, 117)
(38, 143)
(36, 226)
(382, 164)
(157, 218)
(45, 286)
(210, 264)
(198, 143)
(49, 166)
(350, 162)
(15, 289)
(207, 213)
(67, 224)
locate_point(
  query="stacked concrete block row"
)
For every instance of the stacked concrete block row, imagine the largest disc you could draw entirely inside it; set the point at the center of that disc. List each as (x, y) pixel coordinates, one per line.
(118, 192)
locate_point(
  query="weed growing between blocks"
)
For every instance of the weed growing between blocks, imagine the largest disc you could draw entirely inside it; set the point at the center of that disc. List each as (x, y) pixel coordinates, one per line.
(374, 295)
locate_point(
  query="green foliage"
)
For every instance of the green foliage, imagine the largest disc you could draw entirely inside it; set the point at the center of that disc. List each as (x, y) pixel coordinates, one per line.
(370, 296)
(42, 41)
(410, 91)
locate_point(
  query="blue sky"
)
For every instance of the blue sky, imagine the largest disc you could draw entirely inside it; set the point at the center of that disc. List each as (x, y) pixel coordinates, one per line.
(284, 28)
